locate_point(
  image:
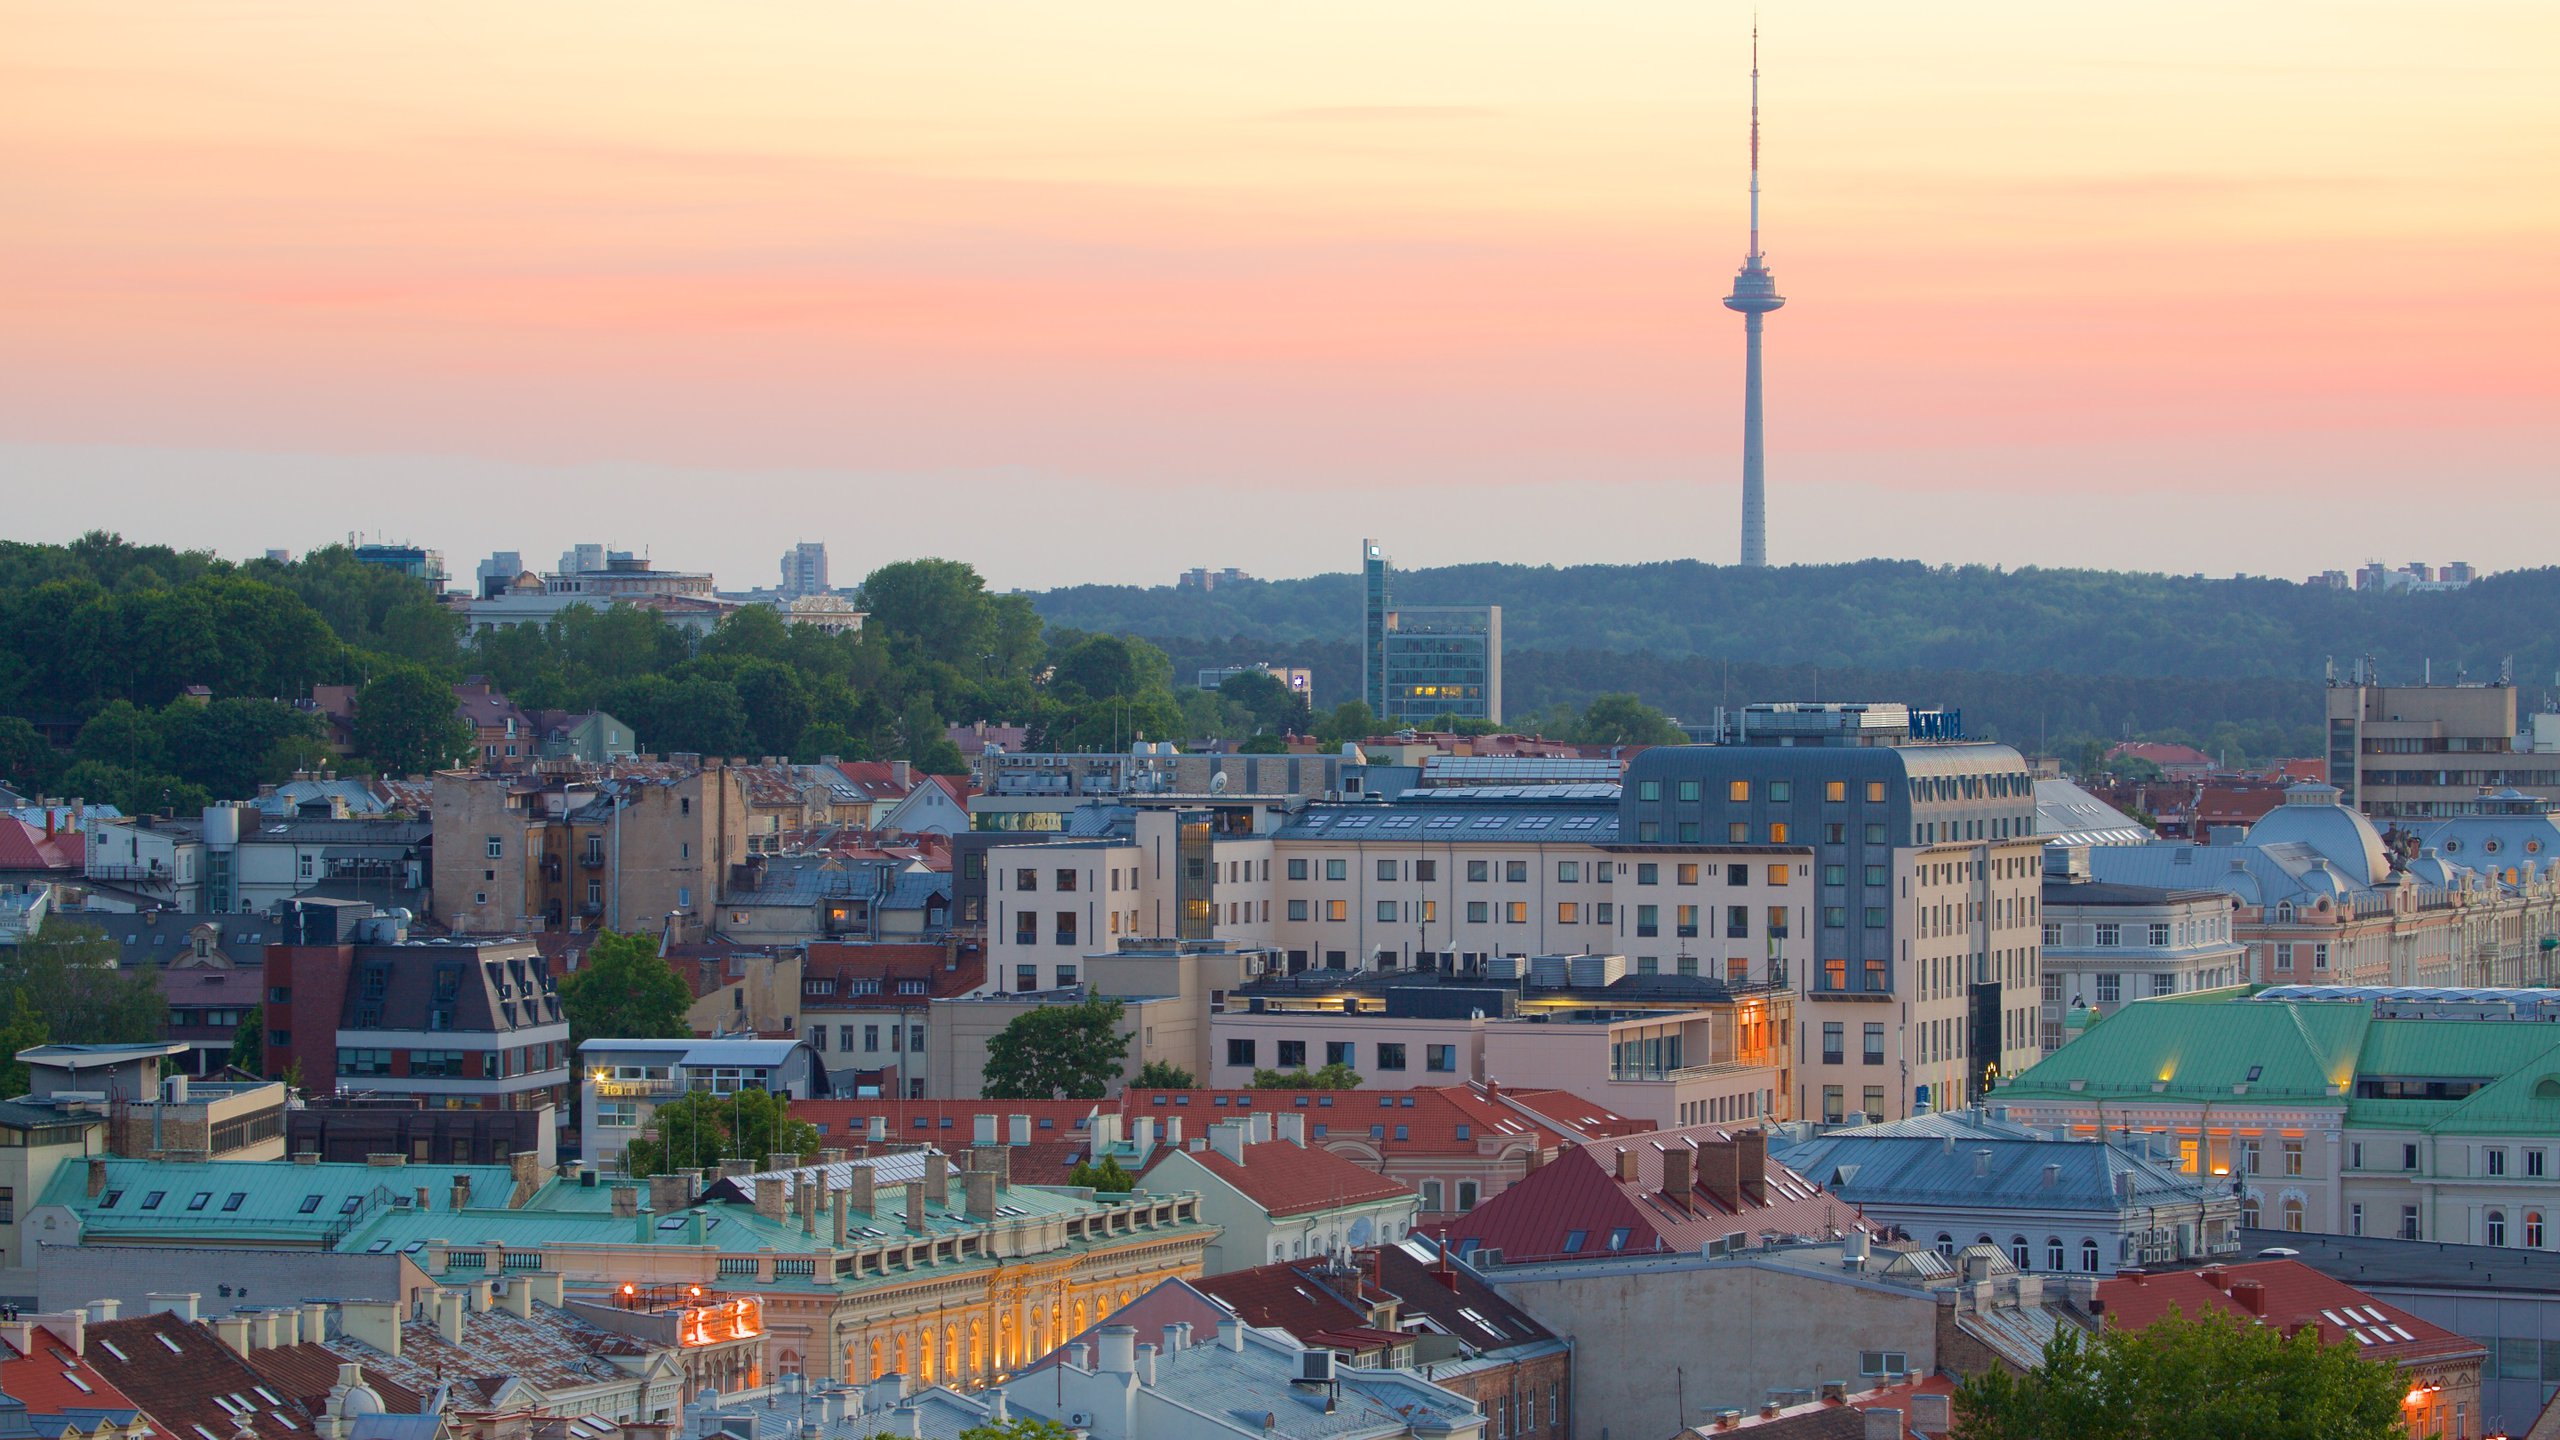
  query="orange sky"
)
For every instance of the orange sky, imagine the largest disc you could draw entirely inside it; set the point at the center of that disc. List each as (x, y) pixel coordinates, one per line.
(503, 275)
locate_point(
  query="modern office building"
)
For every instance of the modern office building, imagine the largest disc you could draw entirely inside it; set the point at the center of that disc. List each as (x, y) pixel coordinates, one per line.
(411, 560)
(1424, 661)
(2401, 752)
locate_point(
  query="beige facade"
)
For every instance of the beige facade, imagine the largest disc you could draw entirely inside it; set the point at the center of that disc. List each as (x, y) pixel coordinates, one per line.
(2410, 751)
(644, 852)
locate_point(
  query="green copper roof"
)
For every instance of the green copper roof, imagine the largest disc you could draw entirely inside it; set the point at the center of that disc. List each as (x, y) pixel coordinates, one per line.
(2201, 1052)
(2524, 1103)
(235, 1201)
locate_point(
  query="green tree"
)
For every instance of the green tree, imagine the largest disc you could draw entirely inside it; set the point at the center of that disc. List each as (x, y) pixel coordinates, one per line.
(1352, 720)
(25, 758)
(1057, 1052)
(1622, 719)
(1020, 1427)
(228, 745)
(699, 1129)
(406, 725)
(22, 1027)
(132, 791)
(1336, 1076)
(623, 990)
(1106, 1178)
(2181, 1379)
(67, 977)
(249, 1041)
(121, 734)
(1163, 1075)
(1275, 707)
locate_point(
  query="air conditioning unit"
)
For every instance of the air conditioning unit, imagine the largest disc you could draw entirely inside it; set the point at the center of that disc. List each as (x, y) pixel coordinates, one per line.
(1315, 1367)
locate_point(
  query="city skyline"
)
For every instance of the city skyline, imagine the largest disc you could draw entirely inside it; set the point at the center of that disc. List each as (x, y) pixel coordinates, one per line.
(2070, 272)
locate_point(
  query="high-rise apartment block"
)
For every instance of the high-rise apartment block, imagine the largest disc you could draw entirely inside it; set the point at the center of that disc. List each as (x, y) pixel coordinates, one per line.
(804, 570)
(1421, 662)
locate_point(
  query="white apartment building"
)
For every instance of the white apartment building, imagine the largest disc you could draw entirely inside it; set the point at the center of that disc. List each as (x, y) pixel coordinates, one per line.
(2107, 944)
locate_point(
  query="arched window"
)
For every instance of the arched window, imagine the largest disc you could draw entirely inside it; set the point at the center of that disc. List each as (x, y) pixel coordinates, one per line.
(1984, 1240)
(2249, 1212)
(2089, 1257)
(2053, 1252)
(2018, 1255)
(2533, 1229)
(2284, 913)
(1431, 1196)
(1947, 1246)
(2495, 1222)
(2293, 1214)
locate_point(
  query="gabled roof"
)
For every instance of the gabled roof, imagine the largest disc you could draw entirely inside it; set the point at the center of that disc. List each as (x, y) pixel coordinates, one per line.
(54, 1381)
(306, 1373)
(2292, 1294)
(25, 847)
(1454, 1298)
(1284, 1178)
(192, 1385)
(1577, 1207)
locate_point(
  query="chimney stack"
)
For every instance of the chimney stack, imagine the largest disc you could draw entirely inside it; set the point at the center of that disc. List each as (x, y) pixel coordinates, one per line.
(2251, 1296)
(860, 1193)
(915, 1206)
(1720, 1173)
(1677, 1158)
(937, 1178)
(982, 1195)
(625, 1201)
(1626, 1164)
(1752, 1160)
(667, 1193)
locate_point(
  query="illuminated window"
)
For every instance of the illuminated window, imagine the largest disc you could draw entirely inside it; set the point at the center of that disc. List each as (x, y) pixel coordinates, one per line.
(1337, 909)
(1738, 791)
(1568, 913)
(1688, 875)
(1778, 874)
(1875, 792)
(1777, 832)
(1835, 791)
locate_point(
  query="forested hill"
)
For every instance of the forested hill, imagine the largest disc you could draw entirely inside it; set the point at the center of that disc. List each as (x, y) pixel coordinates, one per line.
(1894, 615)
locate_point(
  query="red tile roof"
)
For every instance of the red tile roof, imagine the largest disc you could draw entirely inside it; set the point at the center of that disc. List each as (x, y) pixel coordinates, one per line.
(1283, 1178)
(1061, 1132)
(1494, 1119)
(946, 972)
(1279, 1297)
(2288, 1293)
(876, 780)
(27, 847)
(306, 1373)
(1171, 1302)
(42, 1376)
(1574, 1207)
(174, 1369)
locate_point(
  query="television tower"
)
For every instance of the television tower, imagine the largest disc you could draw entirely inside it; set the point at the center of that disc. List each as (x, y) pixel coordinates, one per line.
(1755, 294)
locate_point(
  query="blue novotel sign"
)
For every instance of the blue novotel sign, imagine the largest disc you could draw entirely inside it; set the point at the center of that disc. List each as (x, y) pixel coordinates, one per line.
(1937, 724)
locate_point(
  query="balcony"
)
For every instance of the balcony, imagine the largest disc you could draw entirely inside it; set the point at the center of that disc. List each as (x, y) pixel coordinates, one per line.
(592, 860)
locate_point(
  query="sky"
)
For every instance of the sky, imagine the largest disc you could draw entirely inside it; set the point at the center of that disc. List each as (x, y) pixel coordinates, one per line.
(1099, 292)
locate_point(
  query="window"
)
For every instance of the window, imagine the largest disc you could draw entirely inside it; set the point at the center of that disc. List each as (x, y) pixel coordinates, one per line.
(1516, 912)
(2355, 1219)
(1777, 832)
(1648, 920)
(1478, 911)
(2110, 989)
(1835, 792)
(1390, 1055)
(1292, 1054)
(1618, 1238)
(1026, 978)
(1875, 792)
(1568, 913)
(1442, 1058)
(1778, 874)
(1875, 834)
(1240, 1052)
(1337, 910)
(1423, 870)
(1648, 789)
(2494, 1227)
(1834, 1106)
(1833, 1051)
(2533, 1162)
(1648, 873)
(309, 1204)
(2053, 1252)
(2533, 1229)
(1297, 869)
(2494, 1159)
(1479, 871)
(1387, 911)
(2110, 934)
(871, 1039)
(1515, 872)
(1875, 1043)
(1297, 909)
(1884, 1362)
(2293, 1157)
(1738, 791)
(1782, 792)
(1386, 869)
(2089, 1257)
(1026, 927)
(1337, 870)
(1337, 1052)
(2408, 1157)
(2408, 1222)
(1737, 922)
(2159, 936)
(1686, 874)
(1685, 920)
(497, 847)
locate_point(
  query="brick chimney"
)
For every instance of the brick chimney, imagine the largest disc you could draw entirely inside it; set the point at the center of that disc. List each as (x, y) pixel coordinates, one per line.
(1752, 1160)
(1626, 1164)
(2249, 1295)
(1720, 1173)
(1677, 1159)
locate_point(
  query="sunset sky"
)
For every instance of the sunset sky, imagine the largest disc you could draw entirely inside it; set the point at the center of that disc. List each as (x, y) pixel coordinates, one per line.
(1101, 291)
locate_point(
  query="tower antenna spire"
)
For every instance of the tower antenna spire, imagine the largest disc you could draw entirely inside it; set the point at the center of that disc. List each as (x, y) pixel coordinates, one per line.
(1755, 294)
(1755, 139)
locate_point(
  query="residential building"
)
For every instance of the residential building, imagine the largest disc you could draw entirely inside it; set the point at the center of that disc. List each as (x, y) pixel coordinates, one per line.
(48, 1387)
(1720, 1336)
(354, 1132)
(2401, 752)
(466, 1024)
(1420, 662)
(804, 570)
(641, 846)
(589, 737)
(2443, 1368)
(36, 1141)
(506, 736)
(867, 1009)
(1406, 1306)
(40, 854)
(1275, 1197)
(2057, 1206)
(1200, 577)
(2416, 1113)
(622, 1082)
(2106, 944)
(1682, 1189)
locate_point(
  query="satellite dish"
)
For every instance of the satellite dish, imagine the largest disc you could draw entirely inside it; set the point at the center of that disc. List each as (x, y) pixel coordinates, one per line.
(1218, 783)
